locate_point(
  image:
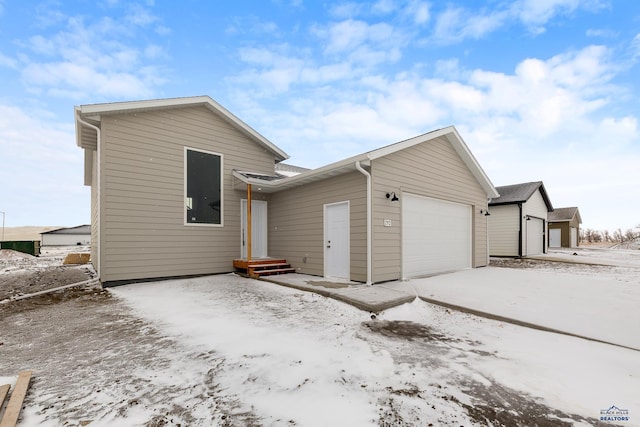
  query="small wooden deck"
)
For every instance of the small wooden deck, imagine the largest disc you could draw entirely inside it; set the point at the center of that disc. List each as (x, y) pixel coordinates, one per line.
(262, 266)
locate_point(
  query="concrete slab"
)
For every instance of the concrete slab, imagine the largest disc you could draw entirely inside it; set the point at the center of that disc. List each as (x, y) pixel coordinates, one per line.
(374, 299)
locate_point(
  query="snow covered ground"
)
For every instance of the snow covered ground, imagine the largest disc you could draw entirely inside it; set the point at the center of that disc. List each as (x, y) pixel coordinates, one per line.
(228, 351)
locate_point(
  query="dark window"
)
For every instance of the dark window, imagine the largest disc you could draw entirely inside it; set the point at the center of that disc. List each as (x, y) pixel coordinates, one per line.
(203, 187)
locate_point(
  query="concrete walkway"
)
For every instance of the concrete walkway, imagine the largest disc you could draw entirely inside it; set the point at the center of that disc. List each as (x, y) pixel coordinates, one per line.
(374, 298)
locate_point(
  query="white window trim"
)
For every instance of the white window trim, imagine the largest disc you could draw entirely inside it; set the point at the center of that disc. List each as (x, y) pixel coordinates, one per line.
(184, 192)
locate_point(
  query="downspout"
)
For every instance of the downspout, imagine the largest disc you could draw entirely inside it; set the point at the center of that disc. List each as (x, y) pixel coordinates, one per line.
(98, 192)
(486, 229)
(520, 230)
(368, 175)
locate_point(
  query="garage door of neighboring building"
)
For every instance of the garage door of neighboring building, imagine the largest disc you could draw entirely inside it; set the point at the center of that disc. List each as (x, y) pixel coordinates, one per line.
(535, 237)
(436, 236)
(555, 235)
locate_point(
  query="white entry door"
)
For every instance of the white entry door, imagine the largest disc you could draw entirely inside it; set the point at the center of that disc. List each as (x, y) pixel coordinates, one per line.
(336, 240)
(258, 228)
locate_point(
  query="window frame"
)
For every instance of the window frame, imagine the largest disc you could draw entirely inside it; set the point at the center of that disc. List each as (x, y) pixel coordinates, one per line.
(184, 194)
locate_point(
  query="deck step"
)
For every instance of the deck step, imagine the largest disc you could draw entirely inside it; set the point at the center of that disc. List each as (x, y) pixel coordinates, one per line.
(271, 271)
(263, 267)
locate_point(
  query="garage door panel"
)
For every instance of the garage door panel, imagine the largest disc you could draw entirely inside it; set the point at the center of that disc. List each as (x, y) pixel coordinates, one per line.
(436, 236)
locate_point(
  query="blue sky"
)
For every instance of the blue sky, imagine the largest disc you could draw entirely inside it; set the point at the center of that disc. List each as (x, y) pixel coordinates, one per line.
(539, 89)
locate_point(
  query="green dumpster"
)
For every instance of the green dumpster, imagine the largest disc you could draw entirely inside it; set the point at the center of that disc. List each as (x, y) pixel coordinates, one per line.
(31, 247)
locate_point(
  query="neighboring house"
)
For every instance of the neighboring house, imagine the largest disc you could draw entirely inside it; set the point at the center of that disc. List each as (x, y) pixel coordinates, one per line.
(72, 236)
(518, 220)
(170, 180)
(564, 227)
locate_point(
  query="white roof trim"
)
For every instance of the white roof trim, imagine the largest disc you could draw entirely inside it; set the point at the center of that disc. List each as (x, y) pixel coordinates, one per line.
(93, 111)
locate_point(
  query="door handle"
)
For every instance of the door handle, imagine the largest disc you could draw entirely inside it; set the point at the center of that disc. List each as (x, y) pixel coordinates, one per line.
(328, 243)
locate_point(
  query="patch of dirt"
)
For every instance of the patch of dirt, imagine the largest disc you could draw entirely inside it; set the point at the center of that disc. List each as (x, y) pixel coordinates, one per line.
(406, 330)
(564, 267)
(23, 282)
(93, 360)
(497, 405)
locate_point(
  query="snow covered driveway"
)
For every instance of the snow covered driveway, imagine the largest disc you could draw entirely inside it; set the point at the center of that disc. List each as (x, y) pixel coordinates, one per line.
(603, 304)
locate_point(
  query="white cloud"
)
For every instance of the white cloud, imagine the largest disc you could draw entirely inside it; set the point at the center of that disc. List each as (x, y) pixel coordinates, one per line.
(99, 58)
(456, 24)
(601, 32)
(419, 12)
(538, 12)
(251, 25)
(361, 44)
(346, 10)
(43, 188)
(8, 62)
(384, 7)
(139, 15)
(635, 46)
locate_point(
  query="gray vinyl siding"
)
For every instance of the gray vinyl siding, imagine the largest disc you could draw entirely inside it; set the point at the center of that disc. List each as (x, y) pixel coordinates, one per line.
(432, 169)
(142, 167)
(504, 229)
(296, 223)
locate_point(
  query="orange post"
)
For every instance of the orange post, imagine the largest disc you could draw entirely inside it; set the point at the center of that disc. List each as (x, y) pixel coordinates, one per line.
(249, 240)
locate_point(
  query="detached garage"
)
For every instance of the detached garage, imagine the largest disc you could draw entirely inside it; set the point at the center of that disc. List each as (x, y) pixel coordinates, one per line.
(564, 227)
(71, 236)
(518, 220)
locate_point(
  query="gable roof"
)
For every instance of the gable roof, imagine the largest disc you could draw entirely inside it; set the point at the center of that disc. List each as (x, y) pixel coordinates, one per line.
(520, 193)
(349, 164)
(565, 214)
(80, 229)
(92, 113)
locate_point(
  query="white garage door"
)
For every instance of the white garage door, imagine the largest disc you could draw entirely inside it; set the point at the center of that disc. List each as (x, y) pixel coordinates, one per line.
(535, 237)
(436, 236)
(555, 235)
(574, 237)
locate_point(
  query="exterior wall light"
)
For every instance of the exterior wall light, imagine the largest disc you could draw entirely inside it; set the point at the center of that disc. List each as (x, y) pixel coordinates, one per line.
(392, 196)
